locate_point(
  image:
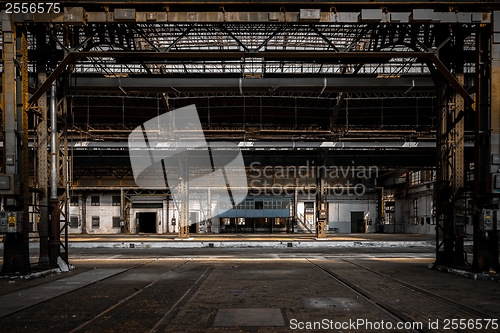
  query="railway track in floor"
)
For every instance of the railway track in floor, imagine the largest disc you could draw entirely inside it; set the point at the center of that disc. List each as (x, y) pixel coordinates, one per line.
(406, 303)
(155, 294)
(165, 317)
(70, 290)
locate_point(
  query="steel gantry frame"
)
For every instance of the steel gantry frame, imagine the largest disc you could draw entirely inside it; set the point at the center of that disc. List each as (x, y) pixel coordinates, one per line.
(130, 49)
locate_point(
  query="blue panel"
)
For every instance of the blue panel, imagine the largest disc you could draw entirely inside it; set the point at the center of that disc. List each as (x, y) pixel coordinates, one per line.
(259, 213)
(268, 213)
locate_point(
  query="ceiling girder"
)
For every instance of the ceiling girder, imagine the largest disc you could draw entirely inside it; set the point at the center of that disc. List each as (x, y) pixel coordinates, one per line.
(349, 57)
(329, 84)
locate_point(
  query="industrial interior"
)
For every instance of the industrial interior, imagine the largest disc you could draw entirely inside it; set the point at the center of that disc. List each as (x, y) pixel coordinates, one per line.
(350, 117)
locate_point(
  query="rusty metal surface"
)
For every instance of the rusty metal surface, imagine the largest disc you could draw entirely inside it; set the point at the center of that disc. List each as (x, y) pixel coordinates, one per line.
(249, 317)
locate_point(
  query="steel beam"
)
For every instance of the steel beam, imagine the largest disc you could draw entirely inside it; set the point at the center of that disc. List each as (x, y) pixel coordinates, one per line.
(452, 79)
(244, 12)
(328, 84)
(323, 56)
(69, 59)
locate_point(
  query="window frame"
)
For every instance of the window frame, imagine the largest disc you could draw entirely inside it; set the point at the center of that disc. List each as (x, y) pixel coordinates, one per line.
(71, 220)
(113, 222)
(114, 202)
(94, 202)
(73, 202)
(92, 223)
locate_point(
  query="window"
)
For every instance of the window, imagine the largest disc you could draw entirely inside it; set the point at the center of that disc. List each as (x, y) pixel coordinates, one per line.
(309, 212)
(73, 201)
(116, 200)
(390, 206)
(94, 200)
(268, 204)
(415, 210)
(116, 222)
(241, 221)
(414, 177)
(95, 222)
(259, 205)
(73, 222)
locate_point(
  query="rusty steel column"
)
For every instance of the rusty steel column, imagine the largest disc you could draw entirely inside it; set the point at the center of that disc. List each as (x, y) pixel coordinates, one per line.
(459, 207)
(183, 196)
(42, 173)
(23, 129)
(209, 211)
(450, 189)
(183, 209)
(16, 246)
(321, 195)
(84, 213)
(487, 149)
(54, 242)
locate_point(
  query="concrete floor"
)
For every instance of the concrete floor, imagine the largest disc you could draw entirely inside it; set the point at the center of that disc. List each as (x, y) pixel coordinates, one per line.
(250, 290)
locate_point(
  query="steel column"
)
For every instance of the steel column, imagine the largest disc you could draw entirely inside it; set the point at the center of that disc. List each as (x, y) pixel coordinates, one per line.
(84, 213)
(487, 148)
(122, 209)
(16, 246)
(321, 203)
(54, 242)
(183, 208)
(24, 150)
(209, 211)
(42, 174)
(450, 185)
(183, 196)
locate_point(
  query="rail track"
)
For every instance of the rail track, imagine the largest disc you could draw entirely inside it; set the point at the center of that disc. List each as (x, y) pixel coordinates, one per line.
(402, 301)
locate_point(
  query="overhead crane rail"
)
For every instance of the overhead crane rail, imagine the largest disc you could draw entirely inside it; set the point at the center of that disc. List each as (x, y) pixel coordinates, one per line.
(79, 15)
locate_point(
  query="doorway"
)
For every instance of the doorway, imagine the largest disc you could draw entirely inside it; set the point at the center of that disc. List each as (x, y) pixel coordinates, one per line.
(193, 219)
(357, 222)
(146, 222)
